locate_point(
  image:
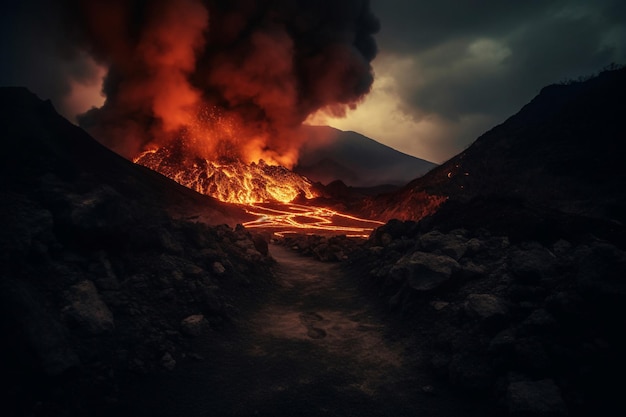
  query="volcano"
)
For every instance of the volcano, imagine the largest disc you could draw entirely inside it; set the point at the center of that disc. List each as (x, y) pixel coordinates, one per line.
(506, 279)
(228, 181)
(282, 200)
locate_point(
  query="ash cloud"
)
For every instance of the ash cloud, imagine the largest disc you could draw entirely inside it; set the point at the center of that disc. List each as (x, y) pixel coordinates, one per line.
(236, 78)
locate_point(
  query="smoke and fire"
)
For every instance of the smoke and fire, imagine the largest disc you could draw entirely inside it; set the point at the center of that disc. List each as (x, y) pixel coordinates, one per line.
(266, 191)
(264, 66)
(233, 182)
(212, 92)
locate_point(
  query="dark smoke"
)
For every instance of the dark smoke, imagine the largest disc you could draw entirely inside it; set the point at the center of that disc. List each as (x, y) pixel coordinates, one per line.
(235, 77)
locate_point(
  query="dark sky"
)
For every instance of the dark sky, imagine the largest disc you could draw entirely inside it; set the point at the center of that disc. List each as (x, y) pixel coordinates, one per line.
(446, 70)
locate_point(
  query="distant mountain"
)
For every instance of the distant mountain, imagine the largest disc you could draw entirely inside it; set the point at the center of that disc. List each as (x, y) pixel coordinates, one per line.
(563, 152)
(331, 154)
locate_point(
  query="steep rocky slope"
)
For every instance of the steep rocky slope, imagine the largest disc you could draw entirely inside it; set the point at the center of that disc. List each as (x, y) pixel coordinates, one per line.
(563, 151)
(513, 277)
(98, 281)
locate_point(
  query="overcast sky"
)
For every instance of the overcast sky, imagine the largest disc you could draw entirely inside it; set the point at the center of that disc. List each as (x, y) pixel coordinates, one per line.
(447, 71)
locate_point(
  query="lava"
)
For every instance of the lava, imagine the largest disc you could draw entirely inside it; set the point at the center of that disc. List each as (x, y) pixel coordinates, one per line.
(297, 218)
(266, 191)
(229, 181)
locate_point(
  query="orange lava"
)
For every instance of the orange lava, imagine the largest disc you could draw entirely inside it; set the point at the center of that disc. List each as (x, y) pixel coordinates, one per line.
(263, 190)
(287, 218)
(231, 182)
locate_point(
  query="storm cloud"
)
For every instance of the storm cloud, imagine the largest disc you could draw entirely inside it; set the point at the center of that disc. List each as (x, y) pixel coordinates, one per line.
(445, 72)
(450, 70)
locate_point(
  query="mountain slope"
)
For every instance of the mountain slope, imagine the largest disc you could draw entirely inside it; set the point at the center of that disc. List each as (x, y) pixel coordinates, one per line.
(39, 145)
(563, 151)
(513, 277)
(331, 154)
(99, 263)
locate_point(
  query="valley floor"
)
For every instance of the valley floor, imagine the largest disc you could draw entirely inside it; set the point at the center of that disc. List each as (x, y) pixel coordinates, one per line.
(316, 345)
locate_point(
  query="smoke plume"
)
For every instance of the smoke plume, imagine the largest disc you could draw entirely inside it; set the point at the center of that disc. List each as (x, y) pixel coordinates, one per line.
(233, 78)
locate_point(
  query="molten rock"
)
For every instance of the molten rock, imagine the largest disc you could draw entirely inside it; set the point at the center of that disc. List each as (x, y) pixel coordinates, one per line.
(233, 181)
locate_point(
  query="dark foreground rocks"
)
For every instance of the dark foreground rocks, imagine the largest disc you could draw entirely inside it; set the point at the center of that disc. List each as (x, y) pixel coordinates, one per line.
(94, 288)
(99, 281)
(532, 327)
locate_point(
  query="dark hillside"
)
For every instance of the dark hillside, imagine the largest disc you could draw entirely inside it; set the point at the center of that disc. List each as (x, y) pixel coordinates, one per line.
(564, 151)
(511, 266)
(101, 276)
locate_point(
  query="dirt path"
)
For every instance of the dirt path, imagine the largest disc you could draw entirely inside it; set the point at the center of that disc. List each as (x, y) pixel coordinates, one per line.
(317, 347)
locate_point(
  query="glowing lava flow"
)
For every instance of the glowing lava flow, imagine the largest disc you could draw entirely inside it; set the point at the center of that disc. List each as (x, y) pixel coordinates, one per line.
(232, 181)
(296, 218)
(263, 190)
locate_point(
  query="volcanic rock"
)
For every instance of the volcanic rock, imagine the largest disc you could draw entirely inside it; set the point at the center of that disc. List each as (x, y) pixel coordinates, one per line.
(424, 271)
(86, 309)
(452, 244)
(168, 361)
(531, 265)
(194, 325)
(535, 398)
(486, 307)
(99, 261)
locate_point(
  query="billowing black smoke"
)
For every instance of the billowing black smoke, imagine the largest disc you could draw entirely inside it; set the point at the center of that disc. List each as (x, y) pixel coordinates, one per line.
(230, 76)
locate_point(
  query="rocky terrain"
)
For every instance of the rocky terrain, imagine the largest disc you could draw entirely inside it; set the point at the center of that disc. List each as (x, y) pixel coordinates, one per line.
(529, 325)
(563, 151)
(514, 278)
(98, 281)
(503, 271)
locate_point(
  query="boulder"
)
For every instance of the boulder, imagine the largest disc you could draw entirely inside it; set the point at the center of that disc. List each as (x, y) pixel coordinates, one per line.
(602, 273)
(261, 243)
(87, 311)
(485, 307)
(218, 268)
(424, 271)
(451, 244)
(535, 399)
(194, 325)
(101, 213)
(38, 332)
(532, 265)
(168, 361)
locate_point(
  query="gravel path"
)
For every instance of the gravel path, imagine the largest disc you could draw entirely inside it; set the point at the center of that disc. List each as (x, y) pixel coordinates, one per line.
(316, 346)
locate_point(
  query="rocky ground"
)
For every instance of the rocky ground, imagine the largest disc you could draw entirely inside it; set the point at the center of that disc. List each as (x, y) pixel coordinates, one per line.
(313, 344)
(94, 289)
(98, 280)
(512, 291)
(531, 326)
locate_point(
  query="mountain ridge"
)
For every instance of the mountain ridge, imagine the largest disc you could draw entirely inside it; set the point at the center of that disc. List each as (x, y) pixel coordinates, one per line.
(58, 147)
(561, 151)
(331, 154)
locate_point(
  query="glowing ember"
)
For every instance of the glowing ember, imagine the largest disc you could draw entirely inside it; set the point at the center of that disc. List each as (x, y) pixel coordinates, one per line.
(233, 182)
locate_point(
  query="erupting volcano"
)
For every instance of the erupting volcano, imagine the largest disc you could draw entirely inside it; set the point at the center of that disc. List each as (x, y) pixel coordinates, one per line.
(266, 191)
(212, 93)
(232, 182)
